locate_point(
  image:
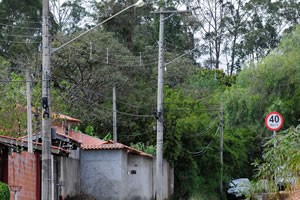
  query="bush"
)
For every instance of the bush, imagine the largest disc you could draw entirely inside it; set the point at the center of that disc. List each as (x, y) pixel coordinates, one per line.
(4, 191)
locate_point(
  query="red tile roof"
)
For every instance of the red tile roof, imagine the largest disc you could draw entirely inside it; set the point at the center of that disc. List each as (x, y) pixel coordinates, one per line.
(88, 142)
(92, 143)
(85, 140)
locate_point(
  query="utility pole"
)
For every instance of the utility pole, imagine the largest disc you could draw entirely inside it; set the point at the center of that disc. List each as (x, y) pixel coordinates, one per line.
(160, 112)
(29, 115)
(46, 121)
(46, 74)
(221, 148)
(160, 115)
(114, 115)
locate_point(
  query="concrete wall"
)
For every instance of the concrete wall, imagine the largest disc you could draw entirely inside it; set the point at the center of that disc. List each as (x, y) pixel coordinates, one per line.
(103, 173)
(116, 175)
(68, 177)
(139, 178)
(75, 154)
(168, 179)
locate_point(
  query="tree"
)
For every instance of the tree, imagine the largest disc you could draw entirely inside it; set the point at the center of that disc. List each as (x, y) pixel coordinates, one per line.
(191, 136)
(270, 86)
(211, 27)
(88, 69)
(265, 27)
(235, 22)
(20, 26)
(123, 26)
(68, 15)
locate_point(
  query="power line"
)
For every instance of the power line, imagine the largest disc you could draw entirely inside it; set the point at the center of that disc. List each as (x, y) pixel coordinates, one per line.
(17, 81)
(20, 20)
(195, 153)
(134, 115)
(136, 135)
(17, 42)
(112, 58)
(123, 113)
(110, 97)
(23, 36)
(22, 27)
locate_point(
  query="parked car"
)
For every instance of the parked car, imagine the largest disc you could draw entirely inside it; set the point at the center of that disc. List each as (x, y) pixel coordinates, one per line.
(238, 188)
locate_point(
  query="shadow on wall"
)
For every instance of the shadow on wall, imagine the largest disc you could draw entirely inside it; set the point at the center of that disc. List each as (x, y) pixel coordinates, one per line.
(80, 197)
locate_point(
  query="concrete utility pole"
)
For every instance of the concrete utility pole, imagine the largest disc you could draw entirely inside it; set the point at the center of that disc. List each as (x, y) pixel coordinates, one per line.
(221, 148)
(160, 115)
(29, 115)
(114, 115)
(160, 112)
(46, 121)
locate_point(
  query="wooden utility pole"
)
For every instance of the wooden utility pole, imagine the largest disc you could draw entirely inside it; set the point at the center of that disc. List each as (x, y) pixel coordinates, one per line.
(114, 115)
(29, 115)
(221, 148)
(46, 121)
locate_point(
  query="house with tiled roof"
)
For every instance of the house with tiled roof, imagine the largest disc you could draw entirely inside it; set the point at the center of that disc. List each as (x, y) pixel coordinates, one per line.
(81, 164)
(116, 171)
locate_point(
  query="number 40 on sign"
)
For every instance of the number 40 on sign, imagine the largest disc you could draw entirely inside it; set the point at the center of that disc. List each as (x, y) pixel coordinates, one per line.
(274, 121)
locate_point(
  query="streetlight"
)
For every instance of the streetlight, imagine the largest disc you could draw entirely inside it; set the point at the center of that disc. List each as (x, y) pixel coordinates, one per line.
(47, 190)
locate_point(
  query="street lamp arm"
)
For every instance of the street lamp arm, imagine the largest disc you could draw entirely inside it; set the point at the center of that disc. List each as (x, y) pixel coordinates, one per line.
(137, 4)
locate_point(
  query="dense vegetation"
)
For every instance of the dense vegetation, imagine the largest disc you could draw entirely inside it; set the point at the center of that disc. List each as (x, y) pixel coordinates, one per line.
(244, 37)
(4, 191)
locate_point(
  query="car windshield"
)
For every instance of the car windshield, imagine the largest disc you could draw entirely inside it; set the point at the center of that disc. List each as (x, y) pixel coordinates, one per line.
(242, 182)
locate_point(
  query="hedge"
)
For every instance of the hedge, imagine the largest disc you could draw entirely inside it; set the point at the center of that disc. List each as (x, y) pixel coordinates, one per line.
(4, 191)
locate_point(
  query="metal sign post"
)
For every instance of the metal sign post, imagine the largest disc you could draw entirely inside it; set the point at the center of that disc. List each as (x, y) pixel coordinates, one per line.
(274, 122)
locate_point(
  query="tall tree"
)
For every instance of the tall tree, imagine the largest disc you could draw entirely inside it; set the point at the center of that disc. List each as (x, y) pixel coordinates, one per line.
(268, 22)
(123, 26)
(211, 17)
(88, 69)
(235, 22)
(69, 15)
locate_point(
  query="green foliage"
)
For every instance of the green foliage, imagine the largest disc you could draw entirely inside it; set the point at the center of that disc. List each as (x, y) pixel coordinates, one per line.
(107, 137)
(280, 156)
(151, 149)
(13, 123)
(4, 191)
(84, 73)
(270, 86)
(89, 130)
(87, 74)
(19, 26)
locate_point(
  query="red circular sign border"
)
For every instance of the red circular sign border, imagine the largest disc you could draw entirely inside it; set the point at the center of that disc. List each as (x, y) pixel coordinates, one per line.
(279, 127)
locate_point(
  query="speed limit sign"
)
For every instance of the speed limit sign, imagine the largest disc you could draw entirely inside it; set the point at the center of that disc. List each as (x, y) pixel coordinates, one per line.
(274, 121)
